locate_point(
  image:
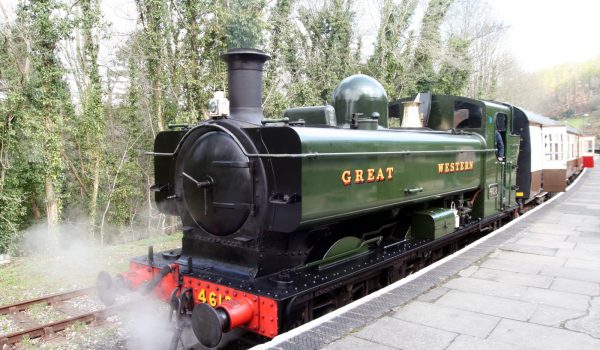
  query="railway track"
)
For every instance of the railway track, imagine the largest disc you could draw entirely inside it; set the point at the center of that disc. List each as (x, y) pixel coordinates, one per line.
(48, 300)
(33, 329)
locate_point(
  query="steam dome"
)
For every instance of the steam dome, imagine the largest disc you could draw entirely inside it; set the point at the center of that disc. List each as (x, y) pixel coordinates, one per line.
(360, 94)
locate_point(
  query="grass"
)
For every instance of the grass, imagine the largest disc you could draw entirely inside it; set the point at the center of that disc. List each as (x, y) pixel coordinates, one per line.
(590, 125)
(27, 343)
(44, 314)
(78, 327)
(72, 267)
(577, 122)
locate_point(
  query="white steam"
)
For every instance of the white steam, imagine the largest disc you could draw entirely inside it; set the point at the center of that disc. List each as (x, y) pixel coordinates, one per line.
(65, 257)
(147, 325)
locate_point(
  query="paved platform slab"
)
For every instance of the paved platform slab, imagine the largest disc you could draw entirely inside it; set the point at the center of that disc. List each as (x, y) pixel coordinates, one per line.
(535, 285)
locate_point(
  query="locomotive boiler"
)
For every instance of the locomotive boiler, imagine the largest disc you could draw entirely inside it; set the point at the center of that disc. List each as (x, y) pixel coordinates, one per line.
(287, 219)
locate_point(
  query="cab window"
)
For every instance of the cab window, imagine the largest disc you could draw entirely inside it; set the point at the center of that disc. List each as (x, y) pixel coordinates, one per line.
(466, 115)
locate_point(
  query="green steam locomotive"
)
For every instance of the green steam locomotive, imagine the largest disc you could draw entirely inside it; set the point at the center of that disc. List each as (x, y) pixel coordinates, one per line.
(287, 219)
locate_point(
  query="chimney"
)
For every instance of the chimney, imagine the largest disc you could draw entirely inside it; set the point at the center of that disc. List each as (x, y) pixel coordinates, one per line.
(245, 70)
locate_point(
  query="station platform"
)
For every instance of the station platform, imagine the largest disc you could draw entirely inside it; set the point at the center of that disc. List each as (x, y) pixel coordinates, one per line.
(534, 284)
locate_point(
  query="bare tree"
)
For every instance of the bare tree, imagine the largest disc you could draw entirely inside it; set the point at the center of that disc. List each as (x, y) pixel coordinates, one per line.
(474, 21)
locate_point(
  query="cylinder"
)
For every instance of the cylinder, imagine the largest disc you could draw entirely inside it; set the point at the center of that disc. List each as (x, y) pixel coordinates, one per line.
(244, 75)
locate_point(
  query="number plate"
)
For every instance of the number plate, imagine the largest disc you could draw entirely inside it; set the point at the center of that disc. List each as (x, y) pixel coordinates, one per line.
(493, 191)
(212, 298)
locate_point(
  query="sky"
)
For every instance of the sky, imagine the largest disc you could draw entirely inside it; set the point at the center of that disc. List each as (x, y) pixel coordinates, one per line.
(541, 33)
(544, 33)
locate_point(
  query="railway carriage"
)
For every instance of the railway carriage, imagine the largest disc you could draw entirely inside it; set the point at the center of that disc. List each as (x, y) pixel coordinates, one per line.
(555, 154)
(573, 153)
(554, 157)
(287, 219)
(587, 150)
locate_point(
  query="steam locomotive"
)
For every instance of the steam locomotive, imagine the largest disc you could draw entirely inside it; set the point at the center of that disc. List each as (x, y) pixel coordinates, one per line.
(287, 219)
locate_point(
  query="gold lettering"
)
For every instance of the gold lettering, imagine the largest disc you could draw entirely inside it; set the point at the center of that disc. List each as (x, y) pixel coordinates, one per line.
(389, 172)
(358, 176)
(455, 167)
(370, 175)
(346, 177)
(380, 176)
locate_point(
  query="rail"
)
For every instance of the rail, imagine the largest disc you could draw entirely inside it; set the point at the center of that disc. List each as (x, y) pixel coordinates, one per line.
(48, 300)
(34, 330)
(51, 328)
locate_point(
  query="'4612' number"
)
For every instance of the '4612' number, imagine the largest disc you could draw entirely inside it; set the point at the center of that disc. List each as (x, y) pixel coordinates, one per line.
(213, 299)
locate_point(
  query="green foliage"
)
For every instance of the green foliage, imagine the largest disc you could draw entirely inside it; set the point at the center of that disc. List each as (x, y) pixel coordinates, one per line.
(19, 174)
(12, 217)
(567, 113)
(153, 16)
(37, 103)
(407, 64)
(244, 25)
(281, 49)
(323, 52)
(428, 48)
(90, 152)
(311, 53)
(391, 59)
(453, 75)
(47, 93)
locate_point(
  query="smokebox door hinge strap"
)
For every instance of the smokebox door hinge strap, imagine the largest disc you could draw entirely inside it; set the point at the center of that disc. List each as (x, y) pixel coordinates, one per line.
(232, 205)
(200, 184)
(205, 185)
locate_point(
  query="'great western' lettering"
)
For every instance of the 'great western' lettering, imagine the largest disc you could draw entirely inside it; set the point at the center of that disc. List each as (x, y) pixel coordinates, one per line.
(360, 176)
(455, 167)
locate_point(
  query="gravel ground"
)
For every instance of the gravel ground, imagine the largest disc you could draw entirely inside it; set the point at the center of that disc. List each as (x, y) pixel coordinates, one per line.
(85, 303)
(145, 327)
(80, 337)
(42, 314)
(7, 325)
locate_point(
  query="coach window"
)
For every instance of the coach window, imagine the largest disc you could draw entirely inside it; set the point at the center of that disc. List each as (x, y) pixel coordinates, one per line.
(466, 115)
(589, 147)
(553, 145)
